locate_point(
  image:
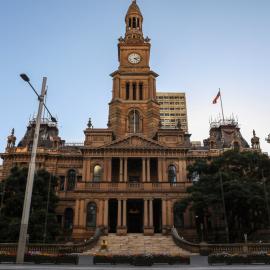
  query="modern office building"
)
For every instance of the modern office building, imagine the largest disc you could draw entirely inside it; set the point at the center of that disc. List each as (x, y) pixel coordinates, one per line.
(173, 110)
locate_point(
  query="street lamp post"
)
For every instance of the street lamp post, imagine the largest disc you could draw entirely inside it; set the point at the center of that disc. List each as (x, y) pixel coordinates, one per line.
(224, 208)
(266, 198)
(31, 172)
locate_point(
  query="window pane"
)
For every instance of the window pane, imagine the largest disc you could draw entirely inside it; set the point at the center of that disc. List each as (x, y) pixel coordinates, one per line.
(97, 173)
(71, 179)
(91, 215)
(172, 174)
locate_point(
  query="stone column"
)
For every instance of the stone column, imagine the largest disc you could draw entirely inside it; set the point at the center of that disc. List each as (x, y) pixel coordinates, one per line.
(76, 214)
(145, 222)
(85, 170)
(148, 170)
(77, 230)
(130, 91)
(121, 170)
(164, 169)
(109, 174)
(148, 213)
(143, 169)
(125, 170)
(105, 214)
(159, 170)
(184, 171)
(116, 88)
(90, 170)
(121, 230)
(164, 215)
(82, 212)
(151, 213)
(180, 171)
(169, 213)
(100, 221)
(124, 213)
(119, 218)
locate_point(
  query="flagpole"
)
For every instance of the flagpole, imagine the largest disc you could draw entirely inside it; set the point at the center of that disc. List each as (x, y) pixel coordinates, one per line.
(221, 106)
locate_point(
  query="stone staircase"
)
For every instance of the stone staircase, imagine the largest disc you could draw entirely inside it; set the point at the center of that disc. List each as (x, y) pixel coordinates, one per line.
(138, 244)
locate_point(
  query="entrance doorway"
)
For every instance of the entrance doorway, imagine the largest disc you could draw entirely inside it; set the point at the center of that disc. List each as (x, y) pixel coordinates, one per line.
(134, 216)
(157, 215)
(113, 209)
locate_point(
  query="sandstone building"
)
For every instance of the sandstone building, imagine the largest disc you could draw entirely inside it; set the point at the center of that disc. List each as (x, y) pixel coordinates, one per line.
(128, 177)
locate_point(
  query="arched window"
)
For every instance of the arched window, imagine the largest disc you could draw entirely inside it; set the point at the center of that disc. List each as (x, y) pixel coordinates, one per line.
(71, 179)
(91, 216)
(134, 121)
(178, 217)
(97, 173)
(68, 219)
(172, 174)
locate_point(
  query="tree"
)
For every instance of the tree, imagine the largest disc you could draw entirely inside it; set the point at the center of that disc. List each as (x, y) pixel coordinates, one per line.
(13, 200)
(245, 177)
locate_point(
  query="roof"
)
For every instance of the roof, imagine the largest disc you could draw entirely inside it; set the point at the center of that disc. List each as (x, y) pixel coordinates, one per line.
(134, 9)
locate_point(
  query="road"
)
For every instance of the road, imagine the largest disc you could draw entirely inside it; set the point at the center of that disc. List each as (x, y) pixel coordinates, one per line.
(156, 267)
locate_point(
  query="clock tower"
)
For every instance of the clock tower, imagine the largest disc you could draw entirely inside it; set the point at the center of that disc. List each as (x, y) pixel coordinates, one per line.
(134, 108)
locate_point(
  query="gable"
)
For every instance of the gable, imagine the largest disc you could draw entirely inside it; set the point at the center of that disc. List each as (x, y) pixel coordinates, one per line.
(134, 141)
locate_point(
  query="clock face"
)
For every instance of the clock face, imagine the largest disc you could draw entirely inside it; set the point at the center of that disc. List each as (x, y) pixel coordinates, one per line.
(134, 58)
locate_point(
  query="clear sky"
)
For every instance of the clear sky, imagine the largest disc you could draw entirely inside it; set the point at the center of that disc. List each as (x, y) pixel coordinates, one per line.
(197, 47)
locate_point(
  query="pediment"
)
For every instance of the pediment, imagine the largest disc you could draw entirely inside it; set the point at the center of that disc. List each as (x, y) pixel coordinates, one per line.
(134, 141)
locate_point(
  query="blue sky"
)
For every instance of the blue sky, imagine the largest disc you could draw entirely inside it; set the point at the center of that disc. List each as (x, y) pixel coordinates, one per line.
(198, 46)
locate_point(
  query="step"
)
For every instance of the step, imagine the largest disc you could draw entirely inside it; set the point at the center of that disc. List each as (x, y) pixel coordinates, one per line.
(138, 243)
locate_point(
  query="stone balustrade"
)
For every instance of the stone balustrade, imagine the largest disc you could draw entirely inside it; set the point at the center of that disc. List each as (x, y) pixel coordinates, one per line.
(131, 187)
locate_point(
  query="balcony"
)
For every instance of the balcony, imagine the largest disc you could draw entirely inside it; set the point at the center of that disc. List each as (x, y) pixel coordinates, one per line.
(132, 187)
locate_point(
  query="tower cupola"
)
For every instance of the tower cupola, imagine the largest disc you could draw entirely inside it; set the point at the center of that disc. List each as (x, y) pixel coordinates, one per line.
(134, 21)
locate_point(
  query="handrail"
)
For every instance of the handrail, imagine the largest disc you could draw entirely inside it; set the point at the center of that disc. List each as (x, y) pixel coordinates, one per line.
(204, 248)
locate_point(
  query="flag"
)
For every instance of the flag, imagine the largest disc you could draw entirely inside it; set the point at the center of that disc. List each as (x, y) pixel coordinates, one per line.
(216, 98)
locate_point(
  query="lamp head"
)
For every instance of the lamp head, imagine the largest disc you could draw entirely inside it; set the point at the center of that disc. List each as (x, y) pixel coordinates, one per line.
(25, 77)
(53, 119)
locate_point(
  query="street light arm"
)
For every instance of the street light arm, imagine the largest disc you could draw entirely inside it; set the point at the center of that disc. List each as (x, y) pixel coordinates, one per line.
(26, 79)
(34, 90)
(52, 118)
